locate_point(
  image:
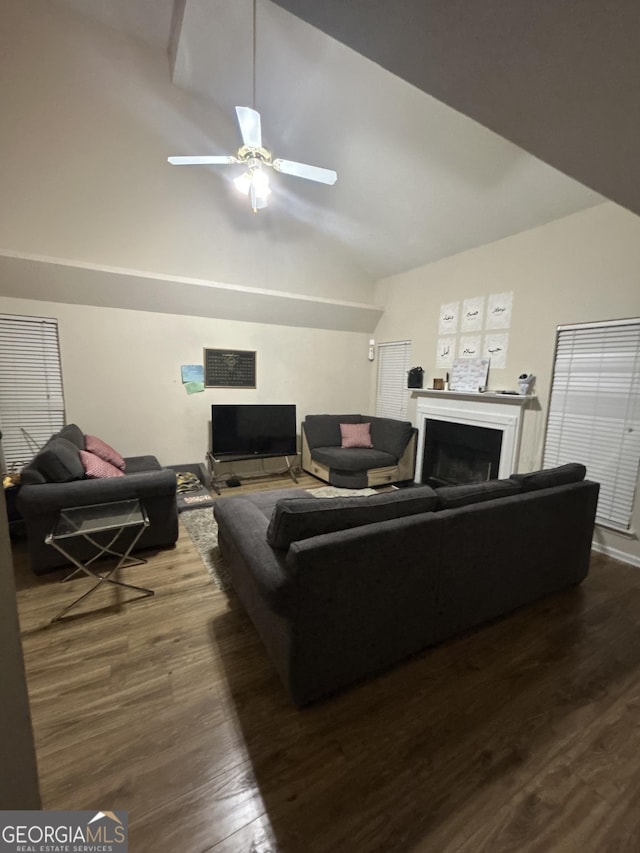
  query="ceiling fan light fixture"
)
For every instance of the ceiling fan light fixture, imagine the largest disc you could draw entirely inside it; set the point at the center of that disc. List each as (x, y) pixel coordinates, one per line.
(260, 182)
(255, 183)
(243, 182)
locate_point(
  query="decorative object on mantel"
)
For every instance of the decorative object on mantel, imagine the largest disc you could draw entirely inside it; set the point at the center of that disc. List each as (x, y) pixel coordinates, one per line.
(525, 381)
(415, 377)
(469, 374)
(438, 384)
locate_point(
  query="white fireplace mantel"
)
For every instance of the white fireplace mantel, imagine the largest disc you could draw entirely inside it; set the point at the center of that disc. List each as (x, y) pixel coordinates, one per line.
(510, 399)
(503, 412)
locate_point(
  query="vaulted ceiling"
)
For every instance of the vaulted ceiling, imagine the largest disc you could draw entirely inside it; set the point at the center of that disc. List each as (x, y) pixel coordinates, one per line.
(558, 77)
(417, 180)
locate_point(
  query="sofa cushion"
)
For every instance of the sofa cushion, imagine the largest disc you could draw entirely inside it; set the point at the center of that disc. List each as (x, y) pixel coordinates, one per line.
(141, 464)
(573, 472)
(96, 445)
(97, 468)
(74, 434)
(352, 458)
(266, 501)
(450, 497)
(324, 430)
(30, 476)
(59, 461)
(355, 435)
(390, 436)
(301, 518)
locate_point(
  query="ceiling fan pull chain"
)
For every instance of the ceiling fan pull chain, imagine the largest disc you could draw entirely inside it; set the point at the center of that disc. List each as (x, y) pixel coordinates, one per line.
(254, 55)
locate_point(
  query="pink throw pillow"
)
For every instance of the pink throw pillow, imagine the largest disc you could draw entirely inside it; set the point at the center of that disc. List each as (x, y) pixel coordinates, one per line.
(96, 445)
(98, 468)
(356, 435)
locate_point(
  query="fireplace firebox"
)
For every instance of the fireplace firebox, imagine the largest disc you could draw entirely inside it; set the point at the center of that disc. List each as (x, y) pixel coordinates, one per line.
(499, 415)
(456, 453)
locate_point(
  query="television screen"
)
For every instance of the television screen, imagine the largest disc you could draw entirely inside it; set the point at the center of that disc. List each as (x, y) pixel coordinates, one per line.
(253, 430)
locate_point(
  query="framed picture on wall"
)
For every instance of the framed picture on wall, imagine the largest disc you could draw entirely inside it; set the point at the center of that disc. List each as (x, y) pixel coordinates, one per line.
(499, 309)
(229, 368)
(495, 347)
(448, 322)
(445, 352)
(473, 314)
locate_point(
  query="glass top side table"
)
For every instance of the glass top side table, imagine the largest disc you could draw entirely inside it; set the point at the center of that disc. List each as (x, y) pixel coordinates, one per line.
(102, 525)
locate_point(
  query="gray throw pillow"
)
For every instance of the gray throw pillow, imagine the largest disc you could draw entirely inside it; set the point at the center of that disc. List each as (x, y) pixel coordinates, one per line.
(59, 461)
(74, 434)
(294, 519)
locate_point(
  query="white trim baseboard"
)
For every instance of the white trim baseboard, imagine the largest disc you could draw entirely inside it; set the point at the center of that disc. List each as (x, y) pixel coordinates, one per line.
(616, 554)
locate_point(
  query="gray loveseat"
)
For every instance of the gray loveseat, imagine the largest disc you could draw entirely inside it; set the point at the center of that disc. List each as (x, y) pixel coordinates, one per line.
(392, 458)
(55, 480)
(339, 589)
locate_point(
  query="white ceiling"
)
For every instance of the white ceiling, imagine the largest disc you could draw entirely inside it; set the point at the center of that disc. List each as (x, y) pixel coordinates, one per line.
(417, 181)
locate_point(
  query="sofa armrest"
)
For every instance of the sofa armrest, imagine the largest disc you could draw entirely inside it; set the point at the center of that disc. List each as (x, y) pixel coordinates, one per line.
(47, 498)
(242, 531)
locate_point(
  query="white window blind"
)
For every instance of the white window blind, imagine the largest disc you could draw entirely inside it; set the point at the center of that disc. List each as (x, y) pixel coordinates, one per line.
(393, 366)
(31, 400)
(594, 413)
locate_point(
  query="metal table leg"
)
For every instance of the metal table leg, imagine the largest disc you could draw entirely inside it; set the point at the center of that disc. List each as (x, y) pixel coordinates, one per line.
(101, 579)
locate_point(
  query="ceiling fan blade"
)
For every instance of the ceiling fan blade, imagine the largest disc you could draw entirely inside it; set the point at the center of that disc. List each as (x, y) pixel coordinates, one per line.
(250, 129)
(302, 170)
(202, 161)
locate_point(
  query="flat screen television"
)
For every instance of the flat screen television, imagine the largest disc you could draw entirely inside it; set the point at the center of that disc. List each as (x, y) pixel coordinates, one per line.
(253, 430)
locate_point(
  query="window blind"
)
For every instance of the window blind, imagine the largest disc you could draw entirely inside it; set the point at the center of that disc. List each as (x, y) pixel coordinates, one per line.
(393, 366)
(31, 399)
(594, 411)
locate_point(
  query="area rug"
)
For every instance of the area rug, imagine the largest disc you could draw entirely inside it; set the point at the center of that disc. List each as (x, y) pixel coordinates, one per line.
(203, 530)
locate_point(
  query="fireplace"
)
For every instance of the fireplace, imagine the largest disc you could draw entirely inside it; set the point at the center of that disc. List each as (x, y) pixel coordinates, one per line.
(489, 425)
(456, 453)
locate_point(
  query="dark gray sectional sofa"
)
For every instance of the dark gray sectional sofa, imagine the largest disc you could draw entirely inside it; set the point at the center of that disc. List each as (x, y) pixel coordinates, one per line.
(392, 458)
(54, 480)
(339, 589)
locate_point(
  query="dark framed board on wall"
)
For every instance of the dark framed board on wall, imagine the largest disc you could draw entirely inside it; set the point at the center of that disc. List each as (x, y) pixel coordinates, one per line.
(229, 368)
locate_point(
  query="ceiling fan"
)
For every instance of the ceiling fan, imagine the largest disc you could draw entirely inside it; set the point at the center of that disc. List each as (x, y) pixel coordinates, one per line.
(254, 182)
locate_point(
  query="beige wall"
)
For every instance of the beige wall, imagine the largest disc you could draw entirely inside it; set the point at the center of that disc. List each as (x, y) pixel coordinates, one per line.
(89, 117)
(583, 268)
(121, 372)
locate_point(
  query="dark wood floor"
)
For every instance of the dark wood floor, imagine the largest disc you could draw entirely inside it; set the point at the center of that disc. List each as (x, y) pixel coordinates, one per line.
(522, 736)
